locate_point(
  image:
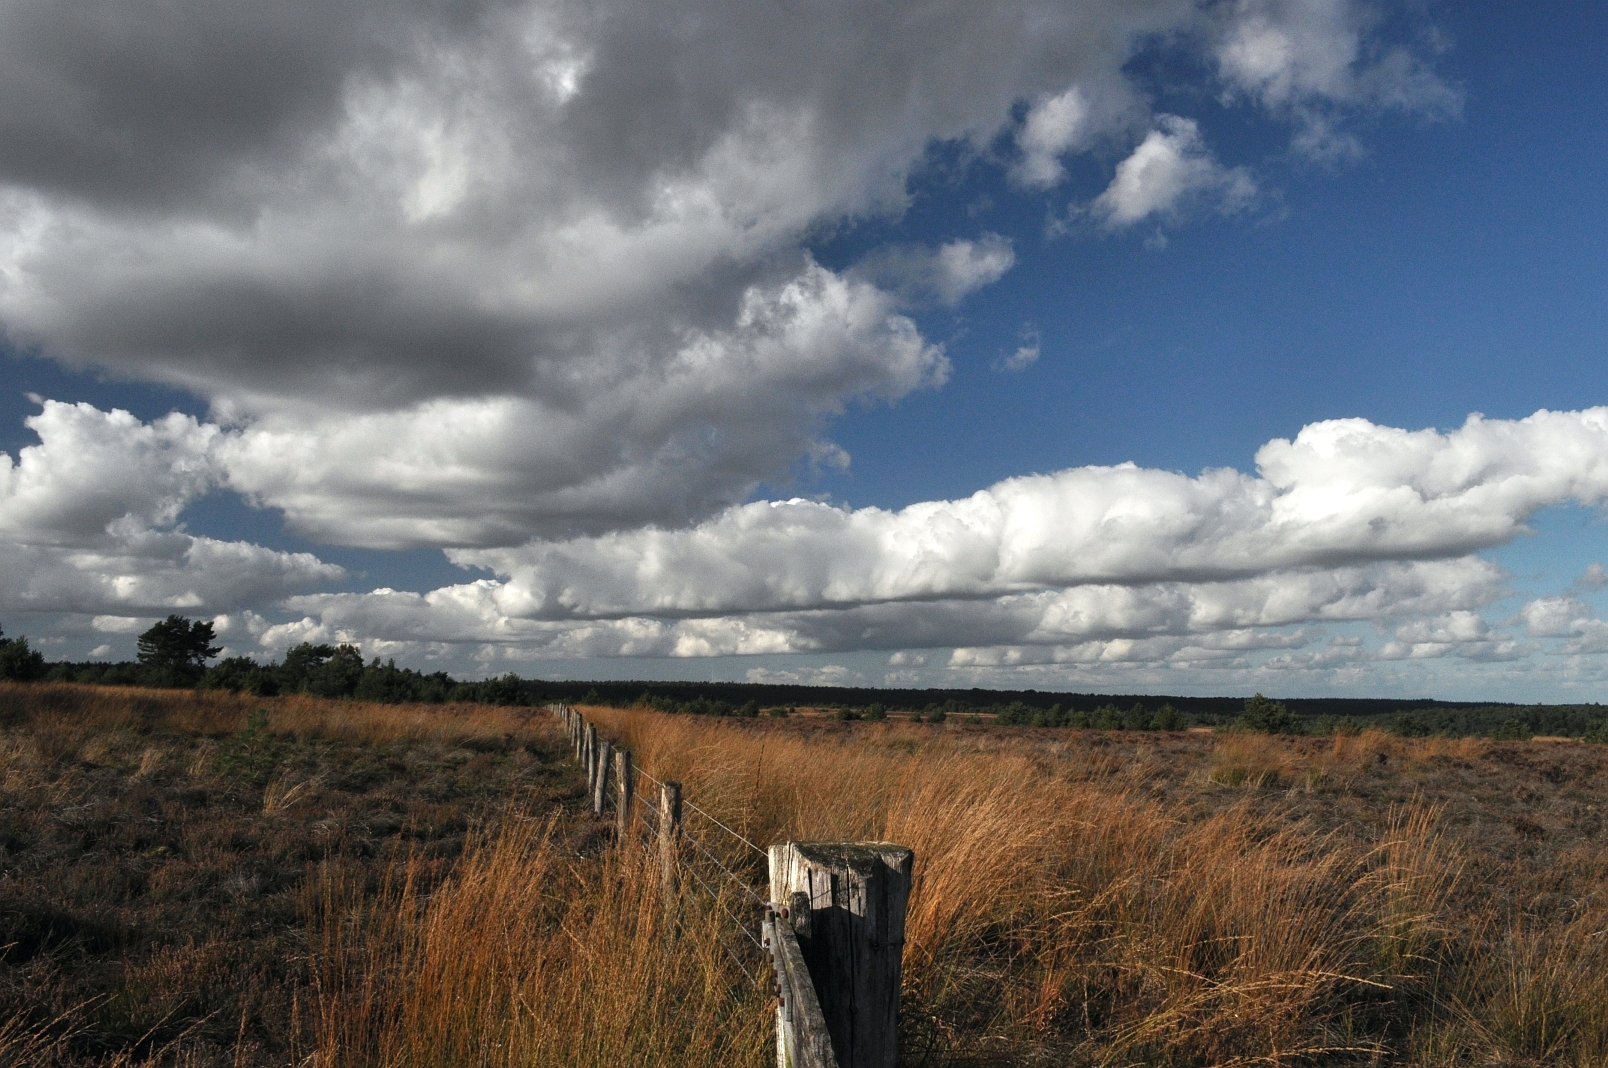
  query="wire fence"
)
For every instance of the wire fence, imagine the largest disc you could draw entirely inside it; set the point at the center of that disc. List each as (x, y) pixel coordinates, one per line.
(728, 896)
(708, 872)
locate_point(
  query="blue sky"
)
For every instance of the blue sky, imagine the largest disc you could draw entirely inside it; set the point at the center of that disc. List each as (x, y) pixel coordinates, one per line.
(419, 349)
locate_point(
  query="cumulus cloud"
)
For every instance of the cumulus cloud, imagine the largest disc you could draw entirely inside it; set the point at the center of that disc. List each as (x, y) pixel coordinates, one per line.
(1342, 492)
(1071, 121)
(945, 274)
(531, 250)
(1550, 617)
(619, 446)
(89, 522)
(1171, 167)
(1311, 59)
(1461, 633)
(93, 469)
(1347, 522)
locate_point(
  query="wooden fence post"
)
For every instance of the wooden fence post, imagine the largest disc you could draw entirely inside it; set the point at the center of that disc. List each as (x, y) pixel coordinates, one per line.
(589, 756)
(625, 809)
(846, 904)
(600, 786)
(802, 1038)
(669, 828)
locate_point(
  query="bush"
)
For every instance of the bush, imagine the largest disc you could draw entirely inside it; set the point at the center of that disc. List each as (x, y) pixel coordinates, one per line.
(1167, 718)
(876, 713)
(240, 674)
(1106, 718)
(339, 675)
(1266, 717)
(845, 715)
(18, 662)
(504, 690)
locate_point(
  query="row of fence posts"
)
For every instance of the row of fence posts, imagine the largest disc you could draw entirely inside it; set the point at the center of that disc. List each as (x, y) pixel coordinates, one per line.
(594, 753)
(833, 927)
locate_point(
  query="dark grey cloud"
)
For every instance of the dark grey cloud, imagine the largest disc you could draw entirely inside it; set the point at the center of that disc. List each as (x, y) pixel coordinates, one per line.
(151, 104)
(545, 255)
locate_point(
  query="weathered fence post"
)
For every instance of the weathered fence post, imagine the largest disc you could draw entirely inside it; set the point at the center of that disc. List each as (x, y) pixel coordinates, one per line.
(600, 786)
(802, 1039)
(846, 904)
(625, 783)
(589, 756)
(669, 828)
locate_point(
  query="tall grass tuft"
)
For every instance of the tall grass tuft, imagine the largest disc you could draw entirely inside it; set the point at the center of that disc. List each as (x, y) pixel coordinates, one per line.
(528, 956)
(1057, 911)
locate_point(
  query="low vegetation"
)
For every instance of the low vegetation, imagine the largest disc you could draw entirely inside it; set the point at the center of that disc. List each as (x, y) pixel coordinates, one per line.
(206, 878)
(174, 653)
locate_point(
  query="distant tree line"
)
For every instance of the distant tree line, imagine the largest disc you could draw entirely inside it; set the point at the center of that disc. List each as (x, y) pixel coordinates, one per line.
(175, 653)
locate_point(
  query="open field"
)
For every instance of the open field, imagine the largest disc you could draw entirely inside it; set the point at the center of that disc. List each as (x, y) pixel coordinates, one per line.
(198, 879)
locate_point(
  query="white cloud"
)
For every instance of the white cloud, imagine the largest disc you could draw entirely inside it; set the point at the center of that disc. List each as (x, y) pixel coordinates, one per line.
(1309, 59)
(1551, 617)
(1590, 638)
(1349, 521)
(1592, 579)
(1025, 356)
(1170, 167)
(1054, 126)
(1342, 492)
(93, 469)
(946, 274)
(967, 266)
(1072, 121)
(828, 675)
(552, 252)
(88, 523)
(666, 440)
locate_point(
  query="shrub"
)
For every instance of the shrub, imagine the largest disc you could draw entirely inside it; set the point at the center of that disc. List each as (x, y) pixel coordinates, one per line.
(1267, 717)
(18, 662)
(240, 674)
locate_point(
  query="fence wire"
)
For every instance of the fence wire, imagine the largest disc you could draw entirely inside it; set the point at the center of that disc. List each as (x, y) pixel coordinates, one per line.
(688, 863)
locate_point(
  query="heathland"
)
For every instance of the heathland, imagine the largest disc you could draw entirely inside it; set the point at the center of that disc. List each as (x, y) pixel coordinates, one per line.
(209, 878)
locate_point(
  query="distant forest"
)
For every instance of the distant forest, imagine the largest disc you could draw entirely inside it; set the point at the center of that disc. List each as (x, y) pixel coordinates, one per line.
(176, 652)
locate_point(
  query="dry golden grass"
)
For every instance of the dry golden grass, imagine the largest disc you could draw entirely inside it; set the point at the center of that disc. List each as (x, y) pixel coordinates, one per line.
(1061, 910)
(529, 957)
(1079, 898)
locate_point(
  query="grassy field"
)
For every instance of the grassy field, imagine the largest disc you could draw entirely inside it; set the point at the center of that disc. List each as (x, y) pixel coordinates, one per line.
(201, 879)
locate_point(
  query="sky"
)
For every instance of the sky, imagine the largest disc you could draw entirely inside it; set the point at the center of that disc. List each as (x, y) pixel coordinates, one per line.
(1141, 347)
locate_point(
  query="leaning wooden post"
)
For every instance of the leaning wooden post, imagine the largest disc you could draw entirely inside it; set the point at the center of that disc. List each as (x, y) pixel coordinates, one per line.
(669, 829)
(846, 903)
(589, 757)
(600, 787)
(625, 784)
